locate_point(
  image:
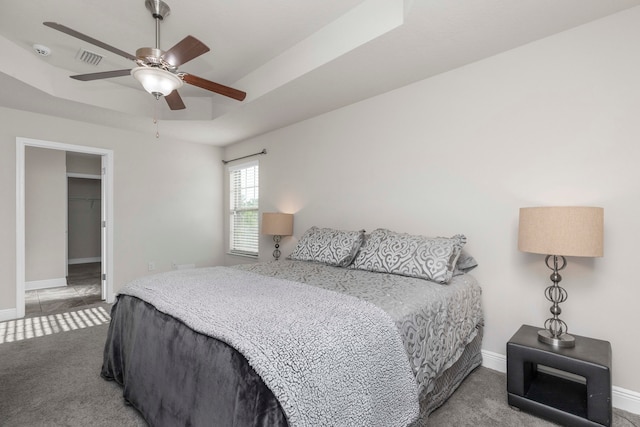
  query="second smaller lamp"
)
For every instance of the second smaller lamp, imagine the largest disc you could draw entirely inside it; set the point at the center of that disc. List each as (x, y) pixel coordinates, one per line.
(277, 224)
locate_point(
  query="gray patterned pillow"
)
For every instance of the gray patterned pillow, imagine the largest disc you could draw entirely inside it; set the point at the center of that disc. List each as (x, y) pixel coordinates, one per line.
(465, 263)
(431, 258)
(328, 246)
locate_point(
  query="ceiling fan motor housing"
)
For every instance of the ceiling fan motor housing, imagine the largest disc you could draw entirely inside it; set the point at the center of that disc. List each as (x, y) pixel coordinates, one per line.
(149, 56)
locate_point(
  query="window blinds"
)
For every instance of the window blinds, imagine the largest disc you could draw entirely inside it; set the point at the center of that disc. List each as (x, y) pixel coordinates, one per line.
(244, 197)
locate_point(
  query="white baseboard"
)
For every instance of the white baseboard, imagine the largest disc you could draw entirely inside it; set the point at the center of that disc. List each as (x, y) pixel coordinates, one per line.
(495, 361)
(84, 260)
(44, 284)
(8, 314)
(626, 399)
(622, 398)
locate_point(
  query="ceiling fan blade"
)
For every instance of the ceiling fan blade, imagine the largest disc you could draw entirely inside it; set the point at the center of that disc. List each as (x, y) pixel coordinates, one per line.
(186, 50)
(88, 39)
(214, 87)
(101, 75)
(174, 100)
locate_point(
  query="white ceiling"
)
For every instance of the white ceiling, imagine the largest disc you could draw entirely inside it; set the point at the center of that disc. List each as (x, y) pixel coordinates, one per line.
(295, 59)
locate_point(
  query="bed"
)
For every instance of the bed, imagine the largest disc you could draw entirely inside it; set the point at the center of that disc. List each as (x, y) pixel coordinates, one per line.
(356, 301)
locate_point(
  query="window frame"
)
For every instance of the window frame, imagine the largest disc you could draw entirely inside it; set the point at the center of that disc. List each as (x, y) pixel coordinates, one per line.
(235, 186)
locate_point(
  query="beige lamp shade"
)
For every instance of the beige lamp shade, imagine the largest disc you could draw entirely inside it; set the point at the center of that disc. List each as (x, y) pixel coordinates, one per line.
(277, 224)
(562, 230)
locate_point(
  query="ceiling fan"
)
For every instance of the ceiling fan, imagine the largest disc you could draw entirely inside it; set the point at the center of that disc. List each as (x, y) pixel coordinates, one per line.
(157, 70)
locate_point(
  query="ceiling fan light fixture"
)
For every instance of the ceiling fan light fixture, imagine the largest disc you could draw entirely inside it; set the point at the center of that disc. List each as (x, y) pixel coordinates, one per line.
(156, 80)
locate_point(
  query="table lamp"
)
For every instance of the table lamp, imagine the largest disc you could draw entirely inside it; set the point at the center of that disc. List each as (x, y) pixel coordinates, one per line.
(277, 224)
(558, 232)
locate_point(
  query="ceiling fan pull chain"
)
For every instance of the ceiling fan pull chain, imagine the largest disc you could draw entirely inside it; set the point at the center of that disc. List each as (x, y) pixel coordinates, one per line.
(155, 118)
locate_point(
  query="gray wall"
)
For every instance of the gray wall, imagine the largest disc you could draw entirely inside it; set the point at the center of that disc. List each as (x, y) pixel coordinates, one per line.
(88, 164)
(45, 215)
(167, 197)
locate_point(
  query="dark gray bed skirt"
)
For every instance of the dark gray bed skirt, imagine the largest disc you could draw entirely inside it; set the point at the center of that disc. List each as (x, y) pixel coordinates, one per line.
(177, 377)
(213, 384)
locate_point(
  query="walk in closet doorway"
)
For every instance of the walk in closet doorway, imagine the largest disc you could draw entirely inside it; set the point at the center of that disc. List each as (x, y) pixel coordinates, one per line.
(82, 203)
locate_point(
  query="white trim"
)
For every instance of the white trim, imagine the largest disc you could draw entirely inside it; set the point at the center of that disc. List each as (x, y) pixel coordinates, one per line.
(627, 400)
(66, 226)
(45, 284)
(20, 227)
(82, 175)
(84, 260)
(495, 361)
(108, 259)
(244, 255)
(8, 314)
(107, 155)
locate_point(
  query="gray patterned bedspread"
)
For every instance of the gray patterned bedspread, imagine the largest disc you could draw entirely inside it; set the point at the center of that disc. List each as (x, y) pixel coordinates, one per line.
(435, 321)
(319, 351)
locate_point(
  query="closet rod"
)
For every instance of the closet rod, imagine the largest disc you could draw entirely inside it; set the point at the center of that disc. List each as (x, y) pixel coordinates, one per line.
(264, 151)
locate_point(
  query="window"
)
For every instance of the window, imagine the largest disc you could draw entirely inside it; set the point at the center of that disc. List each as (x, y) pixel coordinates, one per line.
(243, 197)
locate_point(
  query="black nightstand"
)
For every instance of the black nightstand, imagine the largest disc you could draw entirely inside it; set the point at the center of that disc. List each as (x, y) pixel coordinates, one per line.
(569, 402)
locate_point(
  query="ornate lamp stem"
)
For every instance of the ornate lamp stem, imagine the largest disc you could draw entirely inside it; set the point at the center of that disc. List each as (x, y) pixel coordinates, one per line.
(276, 252)
(555, 332)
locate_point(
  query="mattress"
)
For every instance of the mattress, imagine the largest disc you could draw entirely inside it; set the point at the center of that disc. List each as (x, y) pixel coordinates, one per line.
(174, 375)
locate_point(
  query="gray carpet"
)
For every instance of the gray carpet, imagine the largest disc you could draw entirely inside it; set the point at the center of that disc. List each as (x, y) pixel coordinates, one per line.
(53, 380)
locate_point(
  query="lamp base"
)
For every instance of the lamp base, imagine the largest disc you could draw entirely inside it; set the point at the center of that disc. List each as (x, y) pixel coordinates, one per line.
(564, 340)
(276, 252)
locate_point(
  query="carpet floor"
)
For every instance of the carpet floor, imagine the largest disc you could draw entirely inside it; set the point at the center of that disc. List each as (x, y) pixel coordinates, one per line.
(49, 376)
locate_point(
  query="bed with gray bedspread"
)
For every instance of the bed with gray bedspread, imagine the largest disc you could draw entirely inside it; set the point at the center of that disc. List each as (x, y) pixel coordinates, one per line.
(175, 375)
(351, 330)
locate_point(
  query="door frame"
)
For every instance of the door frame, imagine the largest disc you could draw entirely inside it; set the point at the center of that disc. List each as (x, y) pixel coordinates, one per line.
(107, 179)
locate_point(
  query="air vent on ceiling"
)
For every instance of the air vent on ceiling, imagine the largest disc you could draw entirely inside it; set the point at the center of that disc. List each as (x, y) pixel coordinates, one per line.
(88, 57)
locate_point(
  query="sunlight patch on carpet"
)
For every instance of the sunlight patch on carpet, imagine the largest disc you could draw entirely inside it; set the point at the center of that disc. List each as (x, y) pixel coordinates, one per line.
(33, 327)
